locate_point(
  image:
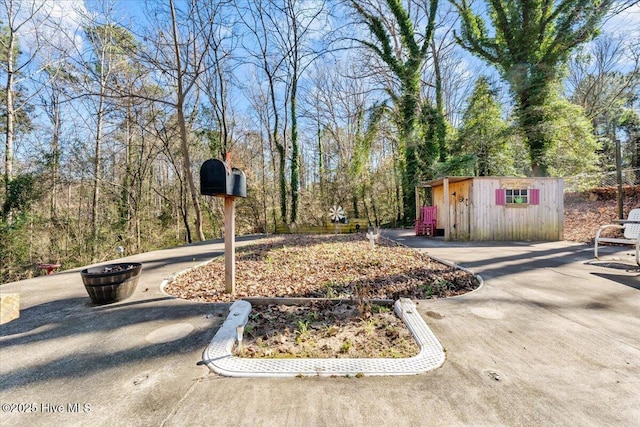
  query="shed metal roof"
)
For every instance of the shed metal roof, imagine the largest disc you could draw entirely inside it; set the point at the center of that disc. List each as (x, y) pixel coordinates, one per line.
(440, 181)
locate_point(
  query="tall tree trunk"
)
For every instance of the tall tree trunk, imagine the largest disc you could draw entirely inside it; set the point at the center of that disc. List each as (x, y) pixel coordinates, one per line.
(295, 154)
(97, 171)
(275, 172)
(354, 201)
(397, 183)
(281, 148)
(320, 163)
(375, 210)
(440, 132)
(263, 165)
(532, 98)
(55, 156)
(188, 176)
(8, 156)
(634, 142)
(410, 141)
(283, 181)
(127, 213)
(184, 212)
(184, 139)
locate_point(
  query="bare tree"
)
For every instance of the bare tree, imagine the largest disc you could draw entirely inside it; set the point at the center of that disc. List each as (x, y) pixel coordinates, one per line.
(217, 82)
(52, 99)
(108, 42)
(271, 100)
(296, 39)
(22, 16)
(167, 132)
(177, 56)
(603, 74)
(604, 79)
(337, 104)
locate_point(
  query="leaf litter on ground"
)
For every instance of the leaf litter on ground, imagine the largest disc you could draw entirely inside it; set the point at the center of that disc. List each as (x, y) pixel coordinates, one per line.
(326, 267)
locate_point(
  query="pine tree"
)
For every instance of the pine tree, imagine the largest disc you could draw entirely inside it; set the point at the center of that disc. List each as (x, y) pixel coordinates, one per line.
(406, 62)
(483, 134)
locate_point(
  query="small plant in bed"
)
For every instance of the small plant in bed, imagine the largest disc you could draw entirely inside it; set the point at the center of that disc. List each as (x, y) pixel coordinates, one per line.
(339, 331)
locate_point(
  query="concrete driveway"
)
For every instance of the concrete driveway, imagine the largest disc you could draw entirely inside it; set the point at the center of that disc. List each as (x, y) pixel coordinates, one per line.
(550, 339)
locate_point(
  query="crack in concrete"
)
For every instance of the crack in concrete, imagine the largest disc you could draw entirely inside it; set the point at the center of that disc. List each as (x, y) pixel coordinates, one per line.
(178, 405)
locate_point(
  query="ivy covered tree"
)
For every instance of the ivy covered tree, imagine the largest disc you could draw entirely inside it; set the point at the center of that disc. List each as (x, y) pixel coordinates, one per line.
(405, 57)
(573, 146)
(15, 213)
(360, 165)
(529, 41)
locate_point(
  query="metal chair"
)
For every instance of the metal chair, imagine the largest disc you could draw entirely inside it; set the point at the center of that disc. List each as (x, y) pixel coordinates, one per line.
(631, 227)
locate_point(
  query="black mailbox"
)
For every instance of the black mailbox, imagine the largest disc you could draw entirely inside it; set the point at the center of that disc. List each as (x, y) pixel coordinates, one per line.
(217, 180)
(213, 178)
(237, 184)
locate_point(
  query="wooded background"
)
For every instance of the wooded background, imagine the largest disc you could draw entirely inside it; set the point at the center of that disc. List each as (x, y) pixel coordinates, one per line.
(109, 110)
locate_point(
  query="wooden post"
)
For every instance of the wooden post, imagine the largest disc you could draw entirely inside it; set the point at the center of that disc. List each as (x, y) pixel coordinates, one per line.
(619, 177)
(229, 245)
(417, 196)
(447, 207)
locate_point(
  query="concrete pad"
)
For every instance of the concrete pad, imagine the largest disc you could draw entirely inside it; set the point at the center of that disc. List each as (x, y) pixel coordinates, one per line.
(550, 339)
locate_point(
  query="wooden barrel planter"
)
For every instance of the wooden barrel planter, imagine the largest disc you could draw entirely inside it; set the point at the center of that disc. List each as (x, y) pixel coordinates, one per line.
(111, 283)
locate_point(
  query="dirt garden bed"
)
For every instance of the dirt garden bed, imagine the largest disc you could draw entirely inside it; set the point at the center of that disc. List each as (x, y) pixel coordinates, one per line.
(326, 329)
(327, 267)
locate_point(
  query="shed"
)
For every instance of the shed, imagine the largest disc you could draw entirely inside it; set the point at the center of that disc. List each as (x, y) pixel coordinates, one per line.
(497, 208)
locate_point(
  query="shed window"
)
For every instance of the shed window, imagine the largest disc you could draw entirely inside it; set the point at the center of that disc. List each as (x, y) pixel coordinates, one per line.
(517, 196)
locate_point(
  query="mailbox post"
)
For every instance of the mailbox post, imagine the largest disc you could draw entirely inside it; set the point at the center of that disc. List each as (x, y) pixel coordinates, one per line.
(229, 245)
(218, 179)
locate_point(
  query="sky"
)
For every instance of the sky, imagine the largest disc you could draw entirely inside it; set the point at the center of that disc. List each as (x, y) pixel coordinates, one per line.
(69, 12)
(626, 23)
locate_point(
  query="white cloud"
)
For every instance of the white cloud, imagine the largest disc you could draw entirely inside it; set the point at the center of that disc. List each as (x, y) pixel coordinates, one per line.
(625, 23)
(45, 27)
(66, 18)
